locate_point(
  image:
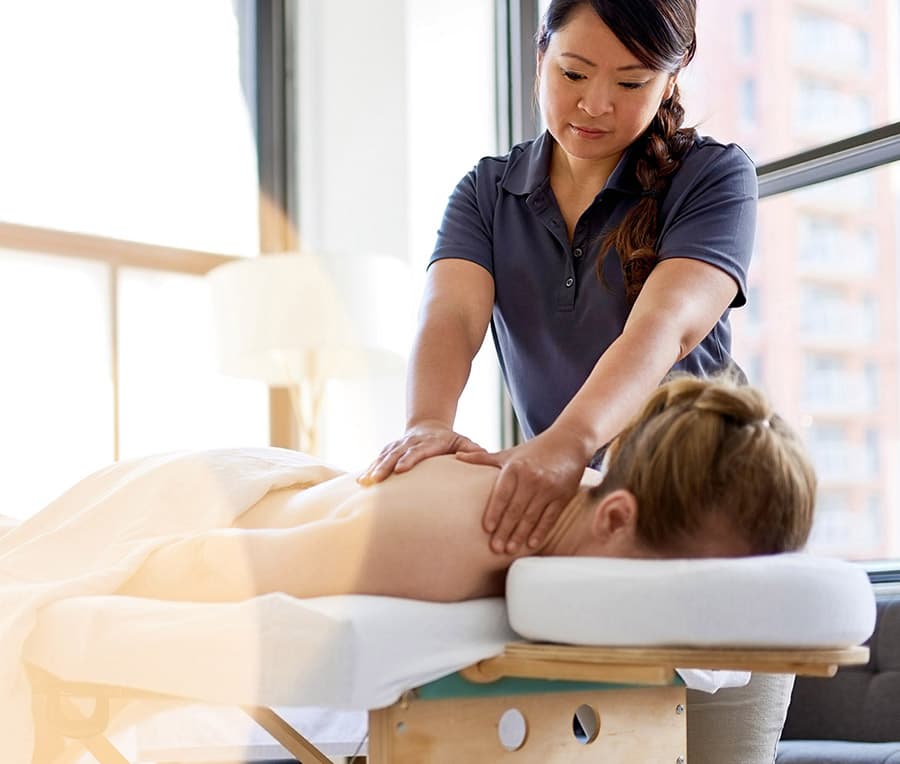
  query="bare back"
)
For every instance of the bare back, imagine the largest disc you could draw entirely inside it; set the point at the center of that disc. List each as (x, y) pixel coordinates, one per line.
(417, 534)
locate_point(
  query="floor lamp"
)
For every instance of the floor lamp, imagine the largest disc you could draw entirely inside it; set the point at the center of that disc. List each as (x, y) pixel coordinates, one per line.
(298, 320)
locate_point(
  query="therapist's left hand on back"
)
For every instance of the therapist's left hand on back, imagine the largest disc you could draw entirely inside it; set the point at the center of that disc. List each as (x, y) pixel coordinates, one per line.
(536, 481)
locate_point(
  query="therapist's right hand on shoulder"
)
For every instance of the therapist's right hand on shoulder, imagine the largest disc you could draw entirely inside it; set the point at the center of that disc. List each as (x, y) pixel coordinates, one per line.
(421, 441)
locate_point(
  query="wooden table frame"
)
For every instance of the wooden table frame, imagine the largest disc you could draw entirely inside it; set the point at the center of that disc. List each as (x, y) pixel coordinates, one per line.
(641, 710)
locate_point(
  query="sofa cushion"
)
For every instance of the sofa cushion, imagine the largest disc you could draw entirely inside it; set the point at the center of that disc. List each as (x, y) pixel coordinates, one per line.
(836, 752)
(860, 703)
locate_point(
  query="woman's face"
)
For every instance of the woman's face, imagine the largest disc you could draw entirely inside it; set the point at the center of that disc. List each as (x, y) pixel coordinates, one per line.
(595, 96)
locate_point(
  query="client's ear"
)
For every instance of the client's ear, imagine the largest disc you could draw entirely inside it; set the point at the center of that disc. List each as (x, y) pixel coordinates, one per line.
(615, 517)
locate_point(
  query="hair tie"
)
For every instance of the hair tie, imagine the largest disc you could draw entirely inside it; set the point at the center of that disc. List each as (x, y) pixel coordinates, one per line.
(645, 194)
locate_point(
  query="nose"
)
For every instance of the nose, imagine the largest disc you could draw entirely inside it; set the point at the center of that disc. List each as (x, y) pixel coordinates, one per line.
(596, 99)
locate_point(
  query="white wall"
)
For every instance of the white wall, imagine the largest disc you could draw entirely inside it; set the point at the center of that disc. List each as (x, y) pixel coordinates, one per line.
(396, 103)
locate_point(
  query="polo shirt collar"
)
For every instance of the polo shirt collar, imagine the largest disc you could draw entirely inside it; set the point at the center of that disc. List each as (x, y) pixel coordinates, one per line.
(624, 177)
(531, 168)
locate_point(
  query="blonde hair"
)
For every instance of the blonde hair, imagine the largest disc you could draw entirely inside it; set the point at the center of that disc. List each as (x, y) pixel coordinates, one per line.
(713, 447)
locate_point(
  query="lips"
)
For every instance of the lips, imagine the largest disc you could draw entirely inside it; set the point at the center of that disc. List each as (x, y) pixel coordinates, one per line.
(590, 132)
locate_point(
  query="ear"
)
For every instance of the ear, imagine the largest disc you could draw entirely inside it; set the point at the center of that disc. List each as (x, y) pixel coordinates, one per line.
(615, 518)
(670, 87)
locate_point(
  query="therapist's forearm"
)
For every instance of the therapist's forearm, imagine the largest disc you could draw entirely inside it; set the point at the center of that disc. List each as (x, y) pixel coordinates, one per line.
(678, 306)
(439, 368)
(626, 374)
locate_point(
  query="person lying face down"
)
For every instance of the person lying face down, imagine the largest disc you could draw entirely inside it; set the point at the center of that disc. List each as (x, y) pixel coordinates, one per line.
(706, 469)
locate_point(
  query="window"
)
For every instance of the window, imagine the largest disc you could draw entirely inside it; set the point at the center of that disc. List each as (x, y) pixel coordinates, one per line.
(748, 102)
(829, 247)
(746, 33)
(57, 401)
(171, 393)
(854, 532)
(854, 194)
(823, 71)
(833, 387)
(823, 112)
(129, 132)
(815, 37)
(754, 308)
(837, 335)
(146, 150)
(825, 274)
(828, 314)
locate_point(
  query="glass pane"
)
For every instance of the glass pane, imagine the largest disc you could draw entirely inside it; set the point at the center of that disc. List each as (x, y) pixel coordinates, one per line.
(823, 338)
(137, 126)
(171, 394)
(57, 402)
(779, 77)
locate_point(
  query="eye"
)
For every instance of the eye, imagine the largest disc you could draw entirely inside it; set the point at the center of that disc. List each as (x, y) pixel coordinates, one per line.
(632, 85)
(572, 76)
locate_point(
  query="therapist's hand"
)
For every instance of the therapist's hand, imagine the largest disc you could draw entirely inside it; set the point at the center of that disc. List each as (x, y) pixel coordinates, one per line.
(537, 479)
(425, 439)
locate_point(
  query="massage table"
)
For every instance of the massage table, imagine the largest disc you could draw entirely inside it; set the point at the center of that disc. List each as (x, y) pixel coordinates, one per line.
(616, 640)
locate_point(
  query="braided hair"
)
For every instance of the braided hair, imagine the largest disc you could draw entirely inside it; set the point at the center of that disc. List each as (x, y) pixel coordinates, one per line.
(661, 35)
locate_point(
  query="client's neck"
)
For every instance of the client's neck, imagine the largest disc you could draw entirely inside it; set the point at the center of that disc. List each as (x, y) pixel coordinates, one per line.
(570, 529)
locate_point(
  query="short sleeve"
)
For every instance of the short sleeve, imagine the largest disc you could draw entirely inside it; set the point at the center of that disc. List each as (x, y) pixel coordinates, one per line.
(711, 213)
(466, 230)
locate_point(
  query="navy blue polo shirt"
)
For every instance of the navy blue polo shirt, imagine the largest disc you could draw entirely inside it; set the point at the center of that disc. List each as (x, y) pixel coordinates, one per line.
(552, 316)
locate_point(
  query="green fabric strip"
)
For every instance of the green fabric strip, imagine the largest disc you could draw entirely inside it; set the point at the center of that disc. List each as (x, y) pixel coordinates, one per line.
(456, 686)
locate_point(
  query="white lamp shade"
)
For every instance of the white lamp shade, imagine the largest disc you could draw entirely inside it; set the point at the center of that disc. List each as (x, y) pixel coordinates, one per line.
(290, 317)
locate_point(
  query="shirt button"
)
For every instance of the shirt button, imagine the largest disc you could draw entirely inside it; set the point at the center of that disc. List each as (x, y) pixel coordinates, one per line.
(578, 252)
(569, 282)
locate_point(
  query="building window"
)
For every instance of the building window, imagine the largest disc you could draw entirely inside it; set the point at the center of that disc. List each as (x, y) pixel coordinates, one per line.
(829, 315)
(746, 33)
(828, 246)
(872, 384)
(823, 112)
(748, 103)
(833, 386)
(826, 43)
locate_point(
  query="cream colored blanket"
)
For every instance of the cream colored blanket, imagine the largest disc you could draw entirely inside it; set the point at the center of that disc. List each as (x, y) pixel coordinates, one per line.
(95, 536)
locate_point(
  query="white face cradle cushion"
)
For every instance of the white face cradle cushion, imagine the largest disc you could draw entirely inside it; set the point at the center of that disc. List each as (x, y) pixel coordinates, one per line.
(778, 601)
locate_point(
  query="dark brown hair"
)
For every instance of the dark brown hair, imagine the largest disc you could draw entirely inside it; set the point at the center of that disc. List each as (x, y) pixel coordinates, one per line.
(661, 35)
(712, 447)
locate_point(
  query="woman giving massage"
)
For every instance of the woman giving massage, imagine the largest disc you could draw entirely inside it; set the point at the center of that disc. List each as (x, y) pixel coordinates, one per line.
(705, 470)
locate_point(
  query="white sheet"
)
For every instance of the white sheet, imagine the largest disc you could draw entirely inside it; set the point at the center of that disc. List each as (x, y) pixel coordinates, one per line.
(94, 537)
(350, 652)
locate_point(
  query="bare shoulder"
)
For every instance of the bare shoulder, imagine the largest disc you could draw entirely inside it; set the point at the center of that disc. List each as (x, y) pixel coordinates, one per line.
(430, 519)
(446, 472)
(439, 485)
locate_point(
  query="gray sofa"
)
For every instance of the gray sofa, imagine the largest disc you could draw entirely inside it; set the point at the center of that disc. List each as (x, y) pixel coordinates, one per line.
(854, 717)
